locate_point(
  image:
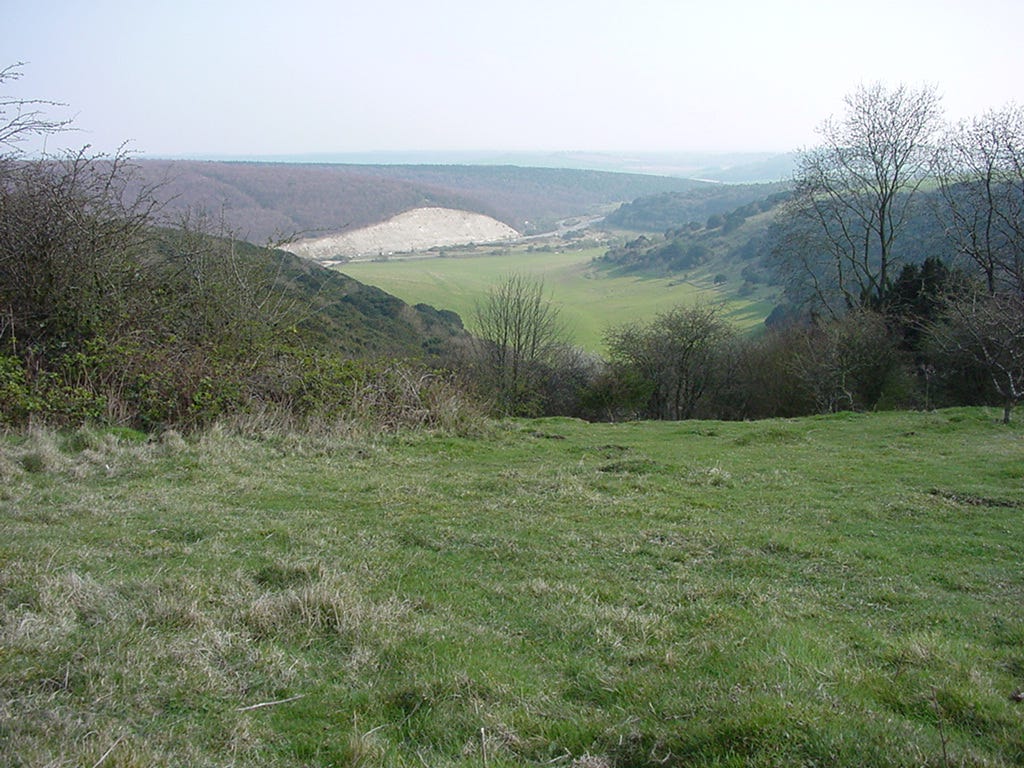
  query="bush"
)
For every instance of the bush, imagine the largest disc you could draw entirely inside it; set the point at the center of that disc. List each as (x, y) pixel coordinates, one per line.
(849, 363)
(14, 394)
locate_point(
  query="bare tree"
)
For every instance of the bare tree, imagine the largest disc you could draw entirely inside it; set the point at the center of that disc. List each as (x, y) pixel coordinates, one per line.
(519, 332)
(221, 289)
(981, 174)
(854, 194)
(70, 235)
(987, 330)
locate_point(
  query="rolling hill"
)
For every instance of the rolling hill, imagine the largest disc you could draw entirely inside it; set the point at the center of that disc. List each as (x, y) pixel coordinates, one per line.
(351, 317)
(276, 201)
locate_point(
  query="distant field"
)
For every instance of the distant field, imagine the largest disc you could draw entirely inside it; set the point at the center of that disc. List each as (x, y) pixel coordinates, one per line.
(590, 300)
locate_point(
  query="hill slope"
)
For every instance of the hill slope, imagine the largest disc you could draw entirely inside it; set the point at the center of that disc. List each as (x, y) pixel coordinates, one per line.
(262, 201)
(656, 213)
(415, 230)
(345, 315)
(659, 594)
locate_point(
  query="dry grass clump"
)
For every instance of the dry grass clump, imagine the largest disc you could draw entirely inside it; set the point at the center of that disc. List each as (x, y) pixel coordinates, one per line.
(332, 607)
(41, 453)
(171, 442)
(713, 476)
(43, 609)
(83, 598)
(98, 658)
(363, 748)
(84, 452)
(10, 470)
(368, 402)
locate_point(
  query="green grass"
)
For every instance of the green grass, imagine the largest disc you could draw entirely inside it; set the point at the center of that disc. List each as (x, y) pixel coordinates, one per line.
(590, 300)
(841, 591)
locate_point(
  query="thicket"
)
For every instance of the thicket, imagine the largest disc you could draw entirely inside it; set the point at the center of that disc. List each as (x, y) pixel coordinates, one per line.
(110, 314)
(106, 318)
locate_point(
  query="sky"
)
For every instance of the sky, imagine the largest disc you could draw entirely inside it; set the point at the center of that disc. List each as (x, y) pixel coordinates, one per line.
(249, 77)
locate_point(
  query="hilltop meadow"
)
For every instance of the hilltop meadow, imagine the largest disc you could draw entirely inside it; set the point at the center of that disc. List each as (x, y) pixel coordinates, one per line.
(841, 590)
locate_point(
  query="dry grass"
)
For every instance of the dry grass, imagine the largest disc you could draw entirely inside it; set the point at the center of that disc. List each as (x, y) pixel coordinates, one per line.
(167, 645)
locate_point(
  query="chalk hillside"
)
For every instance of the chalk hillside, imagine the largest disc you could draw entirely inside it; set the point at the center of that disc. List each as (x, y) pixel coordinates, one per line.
(417, 230)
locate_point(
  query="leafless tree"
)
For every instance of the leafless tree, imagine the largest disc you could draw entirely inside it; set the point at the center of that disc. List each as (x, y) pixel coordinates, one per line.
(987, 330)
(854, 194)
(981, 174)
(519, 331)
(221, 288)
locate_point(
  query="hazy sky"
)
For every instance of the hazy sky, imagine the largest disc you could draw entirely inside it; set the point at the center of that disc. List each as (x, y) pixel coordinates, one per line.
(306, 76)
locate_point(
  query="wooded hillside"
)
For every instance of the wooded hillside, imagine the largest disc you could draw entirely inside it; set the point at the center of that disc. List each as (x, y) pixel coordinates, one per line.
(269, 201)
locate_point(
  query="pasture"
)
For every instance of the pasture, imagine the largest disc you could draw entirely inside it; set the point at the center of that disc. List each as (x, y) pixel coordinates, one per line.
(842, 591)
(590, 300)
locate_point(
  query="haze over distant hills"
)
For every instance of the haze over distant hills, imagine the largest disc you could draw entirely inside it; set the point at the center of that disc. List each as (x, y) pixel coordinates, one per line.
(731, 167)
(265, 200)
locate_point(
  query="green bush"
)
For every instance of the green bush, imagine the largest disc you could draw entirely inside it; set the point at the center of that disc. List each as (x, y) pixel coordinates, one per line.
(14, 393)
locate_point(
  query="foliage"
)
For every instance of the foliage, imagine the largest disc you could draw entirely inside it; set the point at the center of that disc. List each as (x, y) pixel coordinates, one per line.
(762, 381)
(847, 364)
(616, 393)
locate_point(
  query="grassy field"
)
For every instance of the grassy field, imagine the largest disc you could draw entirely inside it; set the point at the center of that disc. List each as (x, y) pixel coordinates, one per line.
(590, 300)
(833, 591)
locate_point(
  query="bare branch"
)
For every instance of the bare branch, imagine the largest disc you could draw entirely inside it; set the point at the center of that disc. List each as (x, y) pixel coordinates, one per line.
(21, 119)
(981, 175)
(855, 192)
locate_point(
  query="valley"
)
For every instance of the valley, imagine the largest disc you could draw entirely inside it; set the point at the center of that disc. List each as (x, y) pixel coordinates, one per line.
(444, 234)
(590, 300)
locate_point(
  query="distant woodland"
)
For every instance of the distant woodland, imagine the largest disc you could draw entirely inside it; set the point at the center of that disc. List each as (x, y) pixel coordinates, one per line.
(269, 201)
